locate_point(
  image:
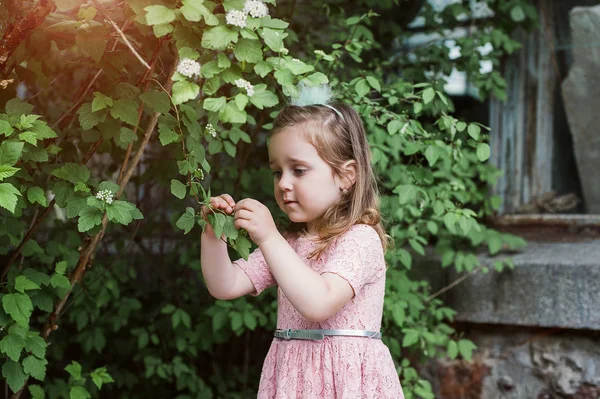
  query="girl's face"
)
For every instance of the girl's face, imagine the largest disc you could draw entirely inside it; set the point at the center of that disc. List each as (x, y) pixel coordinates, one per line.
(305, 185)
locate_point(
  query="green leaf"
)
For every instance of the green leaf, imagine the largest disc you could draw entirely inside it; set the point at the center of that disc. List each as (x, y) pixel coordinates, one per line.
(473, 130)
(232, 114)
(74, 369)
(29, 137)
(394, 126)
(161, 30)
(410, 337)
(250, 320)
(10, 152)
(19, 307)
(374, 83)
(248, 50)
(466, 347)
(187, 220)
(15, 107)
(452, 349)
(36, 194)
(7, 171)
(13, 373)
(406, 193)
(36, 345)
(214, 104)
(72, 172)
(218, 38)
(88, 218)
(517, 14)
(126, 137)
(61, 267)
(262, 68)
(120, 212)
(432, 154)
(100, 376)
(8, 196)
(127, 91)
(36, 392)
(12, 345)
(101, 101)
(273, 38)
(79, 392)
(362, 87)
(6, 128)
(89, 119)
(91, 44)
(241, 100)
(483, 152)
(159, 15)
(166, 135)
(242, 246)
(22, 284)
(157, 100)
(125, 110)
(428, 95)
(178, 189)
(263, 98)
(298, 67)
(35, 367)
(184, 91)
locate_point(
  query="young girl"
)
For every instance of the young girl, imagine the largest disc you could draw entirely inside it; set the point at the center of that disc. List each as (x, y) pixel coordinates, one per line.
(329, 269)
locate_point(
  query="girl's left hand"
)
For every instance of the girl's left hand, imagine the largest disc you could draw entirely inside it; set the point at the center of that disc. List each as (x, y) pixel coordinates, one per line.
(256, 219)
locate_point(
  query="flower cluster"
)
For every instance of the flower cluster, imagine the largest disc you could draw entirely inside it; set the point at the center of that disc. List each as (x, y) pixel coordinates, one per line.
(236, 18)
(105, 195)
(188, 67)
(244, 84)
(256, 8)
(211, 130)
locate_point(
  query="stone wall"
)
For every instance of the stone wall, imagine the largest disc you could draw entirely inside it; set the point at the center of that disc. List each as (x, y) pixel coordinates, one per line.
(537, 326)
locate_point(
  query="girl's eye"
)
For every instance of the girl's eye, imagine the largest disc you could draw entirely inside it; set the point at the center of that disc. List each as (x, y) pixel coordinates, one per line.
(277, 174)
(299, 171)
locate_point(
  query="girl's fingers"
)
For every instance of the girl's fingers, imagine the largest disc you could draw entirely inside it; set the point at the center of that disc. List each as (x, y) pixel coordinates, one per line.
(228, 199)
(243, 214)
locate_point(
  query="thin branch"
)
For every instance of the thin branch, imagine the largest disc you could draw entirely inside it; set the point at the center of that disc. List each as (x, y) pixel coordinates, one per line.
(116, 27)
(454, 283)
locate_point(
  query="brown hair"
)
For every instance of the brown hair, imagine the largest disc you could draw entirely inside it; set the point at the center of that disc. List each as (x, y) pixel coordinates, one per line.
(338, 140)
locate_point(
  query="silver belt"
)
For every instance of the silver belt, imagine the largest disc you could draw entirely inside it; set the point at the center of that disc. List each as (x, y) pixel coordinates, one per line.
(320, 334)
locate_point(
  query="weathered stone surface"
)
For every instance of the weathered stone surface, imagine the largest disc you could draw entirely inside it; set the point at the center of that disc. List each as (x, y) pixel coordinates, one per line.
(581, 95)
(552, 285)
(522, 364)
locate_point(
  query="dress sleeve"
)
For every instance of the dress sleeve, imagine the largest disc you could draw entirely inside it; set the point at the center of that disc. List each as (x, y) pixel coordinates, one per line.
(356, 256)
(257, 270)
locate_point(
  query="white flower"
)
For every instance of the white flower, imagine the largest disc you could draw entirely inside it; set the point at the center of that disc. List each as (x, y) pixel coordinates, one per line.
(236, 18)
(320, 52)
(211, 130)
(256, 8)
(105, 195)
(188, 67)
(244, 84)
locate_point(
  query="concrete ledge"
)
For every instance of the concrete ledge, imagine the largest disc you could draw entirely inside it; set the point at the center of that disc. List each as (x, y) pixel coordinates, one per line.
(552, 285)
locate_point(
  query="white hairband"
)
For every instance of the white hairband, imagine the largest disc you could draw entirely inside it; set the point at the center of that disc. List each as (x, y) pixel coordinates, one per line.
(315, 95)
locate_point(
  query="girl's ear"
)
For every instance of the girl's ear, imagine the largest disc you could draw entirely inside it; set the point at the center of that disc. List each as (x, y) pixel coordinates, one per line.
(349, 173)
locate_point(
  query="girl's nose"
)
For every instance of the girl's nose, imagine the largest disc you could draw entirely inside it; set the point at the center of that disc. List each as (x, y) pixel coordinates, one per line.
(285, 183)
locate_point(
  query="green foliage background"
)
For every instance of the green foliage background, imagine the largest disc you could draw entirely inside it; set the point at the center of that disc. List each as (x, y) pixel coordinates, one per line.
(104, 291)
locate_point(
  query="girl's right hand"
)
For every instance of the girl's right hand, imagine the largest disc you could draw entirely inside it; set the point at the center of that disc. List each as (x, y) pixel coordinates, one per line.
(223, 202)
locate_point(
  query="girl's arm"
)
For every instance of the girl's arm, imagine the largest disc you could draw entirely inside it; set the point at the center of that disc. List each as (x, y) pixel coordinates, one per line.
(316, 296)
(224, 279)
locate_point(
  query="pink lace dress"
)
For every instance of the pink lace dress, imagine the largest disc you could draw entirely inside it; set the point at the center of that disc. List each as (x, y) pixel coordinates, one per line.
(336, 367)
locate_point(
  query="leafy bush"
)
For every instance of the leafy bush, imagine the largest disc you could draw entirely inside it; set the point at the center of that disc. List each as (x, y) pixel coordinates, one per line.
(105, 160)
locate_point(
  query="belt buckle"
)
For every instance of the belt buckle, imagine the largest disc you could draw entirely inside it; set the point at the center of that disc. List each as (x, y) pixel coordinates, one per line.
(286, 334)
